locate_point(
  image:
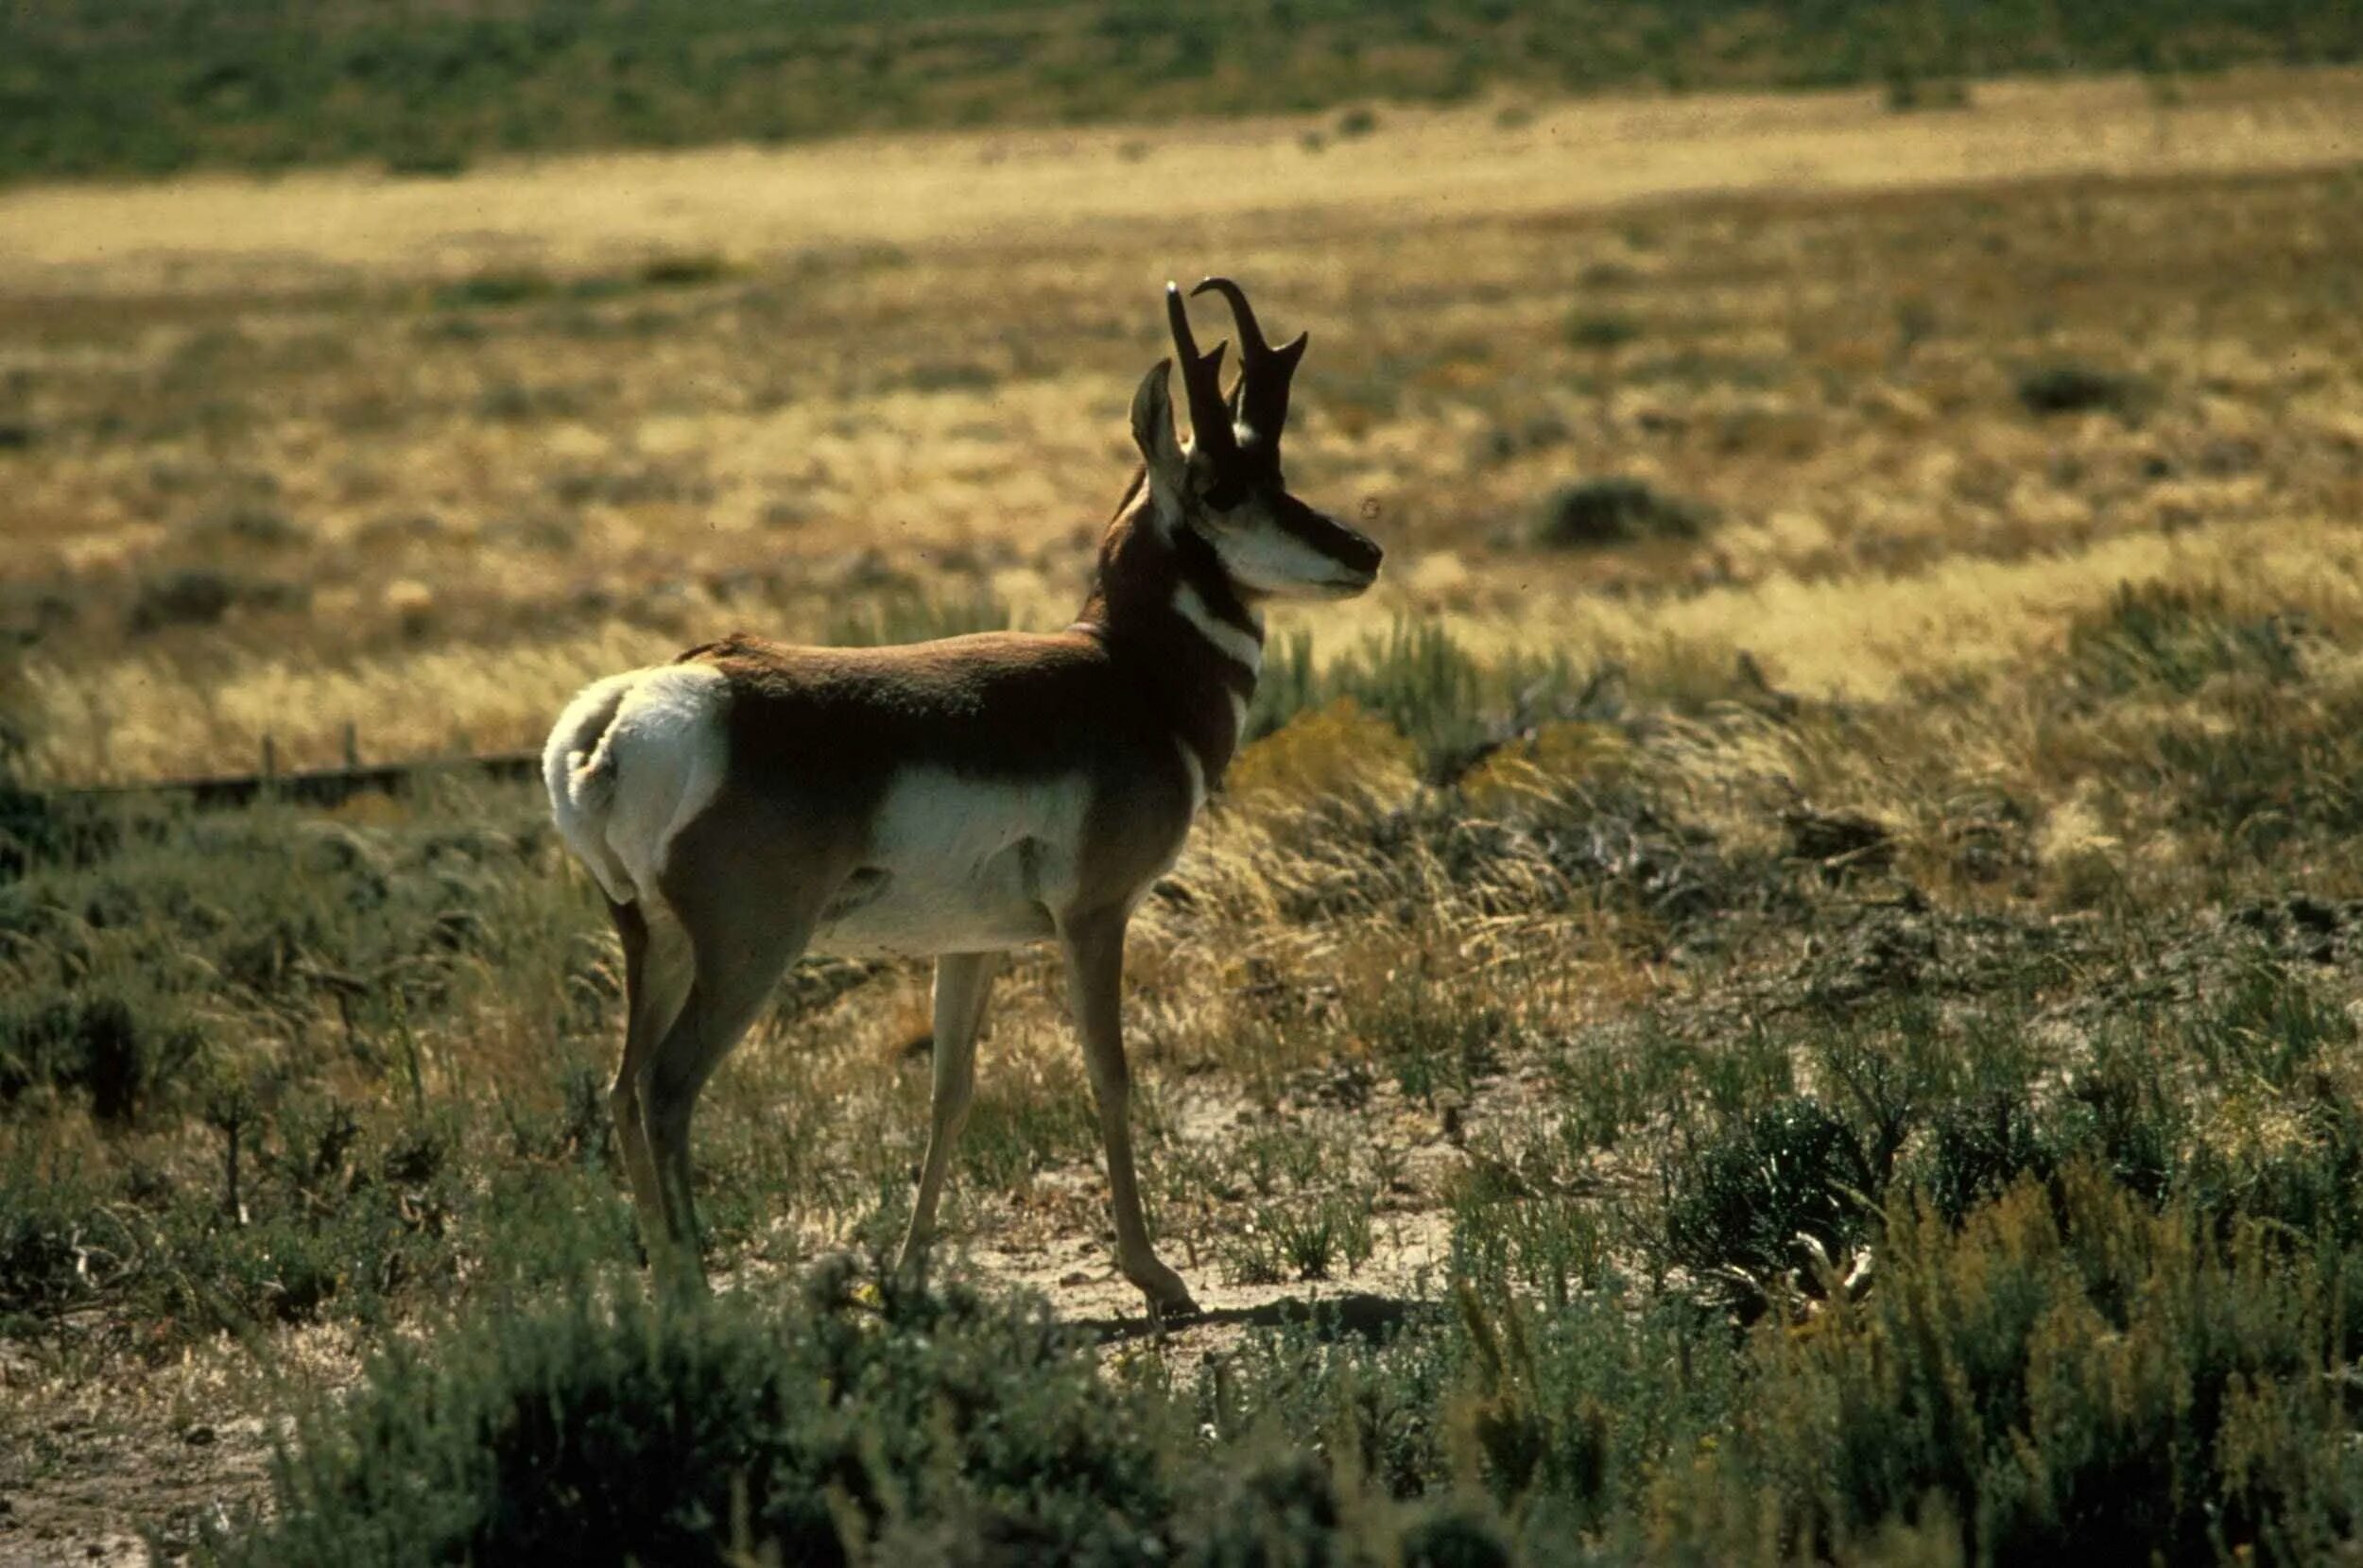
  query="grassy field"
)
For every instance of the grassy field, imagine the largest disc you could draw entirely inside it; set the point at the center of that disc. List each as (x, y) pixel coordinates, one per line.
(1786, 989)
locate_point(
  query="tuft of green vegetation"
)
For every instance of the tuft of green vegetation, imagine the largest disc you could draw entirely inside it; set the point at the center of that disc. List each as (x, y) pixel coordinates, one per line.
(1601, 330)
(1596, 514)
(2078, 389)
(2171, 640)
(1783, 1192)
(581, 1431)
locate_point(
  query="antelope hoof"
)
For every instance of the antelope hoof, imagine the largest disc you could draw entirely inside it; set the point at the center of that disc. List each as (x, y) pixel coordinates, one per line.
(1169, 1299)
(680, 1275)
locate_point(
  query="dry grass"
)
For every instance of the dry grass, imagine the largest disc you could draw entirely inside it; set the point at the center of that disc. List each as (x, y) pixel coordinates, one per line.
(424, 457)
(448, 447)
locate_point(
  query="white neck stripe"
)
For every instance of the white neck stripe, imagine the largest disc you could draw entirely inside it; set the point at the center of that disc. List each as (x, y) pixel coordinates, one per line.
(1197, 772)
(1241, 648)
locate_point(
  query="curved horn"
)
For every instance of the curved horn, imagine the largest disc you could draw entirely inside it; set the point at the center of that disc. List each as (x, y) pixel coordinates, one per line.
(1264, 371)
(1201, 378)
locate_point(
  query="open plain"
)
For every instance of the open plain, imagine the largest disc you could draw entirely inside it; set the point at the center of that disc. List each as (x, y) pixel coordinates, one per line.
(1785, 986)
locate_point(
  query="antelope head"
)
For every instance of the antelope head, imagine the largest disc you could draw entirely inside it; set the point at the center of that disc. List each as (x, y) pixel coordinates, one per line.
(1226, 485)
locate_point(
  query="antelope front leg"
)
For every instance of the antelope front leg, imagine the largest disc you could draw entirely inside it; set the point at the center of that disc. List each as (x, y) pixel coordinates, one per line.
(1095, 963)
(962, 981)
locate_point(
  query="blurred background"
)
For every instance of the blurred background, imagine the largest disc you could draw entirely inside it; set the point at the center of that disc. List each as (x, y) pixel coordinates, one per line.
(396, 368)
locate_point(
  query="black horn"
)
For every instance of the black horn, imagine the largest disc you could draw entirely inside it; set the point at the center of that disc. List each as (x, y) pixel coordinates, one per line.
(1201, 378)
(1264, 371)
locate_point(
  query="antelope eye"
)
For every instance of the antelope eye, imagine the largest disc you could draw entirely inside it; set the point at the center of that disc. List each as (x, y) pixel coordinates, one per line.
(1223, 494)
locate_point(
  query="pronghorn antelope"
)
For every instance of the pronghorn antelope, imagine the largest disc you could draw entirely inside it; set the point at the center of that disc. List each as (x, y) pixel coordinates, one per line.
(752, 801)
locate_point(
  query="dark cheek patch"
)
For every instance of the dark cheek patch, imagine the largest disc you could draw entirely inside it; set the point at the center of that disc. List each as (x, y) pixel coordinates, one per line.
(1332, 538)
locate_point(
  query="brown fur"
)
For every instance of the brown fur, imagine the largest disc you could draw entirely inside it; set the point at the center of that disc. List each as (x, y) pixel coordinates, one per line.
(822, 731)
(815, 738)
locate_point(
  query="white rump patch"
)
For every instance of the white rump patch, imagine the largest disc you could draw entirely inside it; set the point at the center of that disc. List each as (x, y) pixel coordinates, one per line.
(1234, 643)
(631, 762)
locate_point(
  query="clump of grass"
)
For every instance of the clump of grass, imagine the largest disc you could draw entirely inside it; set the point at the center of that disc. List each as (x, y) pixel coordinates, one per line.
(1754, 1204)
(259, 525)
(1424, 683)
(1331, 752)
(117, 1041)
(904, 612)
(1431, 1033)
(202, 596)
(2159, 636)
(1603, 513)
(682, 271)
(1910, 90)
(1511, 1237)
(507, 286)
(1303, 1240)
(1601, 330)
(2073, 387)
(58, 1242)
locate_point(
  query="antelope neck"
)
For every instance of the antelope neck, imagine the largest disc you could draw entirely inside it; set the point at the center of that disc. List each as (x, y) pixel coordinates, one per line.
(1175, 625)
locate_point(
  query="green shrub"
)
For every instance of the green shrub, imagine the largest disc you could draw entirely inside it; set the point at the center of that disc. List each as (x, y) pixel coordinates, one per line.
(684, 271)
(1373, 1389)
(1589, 329)
(1431, 1034)
(1571, 1416)
(496, 288)
(1507, 1238)
(1743, 1205)
(2077, 1376)
(1978, 1150)
(203, 595)
(1602, 514)
(2076, 389)
(117, 1040)
(59, 1241)
(1450, 704)
(582, 1432)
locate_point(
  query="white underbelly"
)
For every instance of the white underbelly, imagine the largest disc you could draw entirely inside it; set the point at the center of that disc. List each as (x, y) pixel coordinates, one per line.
(958, 865)
(926, 921)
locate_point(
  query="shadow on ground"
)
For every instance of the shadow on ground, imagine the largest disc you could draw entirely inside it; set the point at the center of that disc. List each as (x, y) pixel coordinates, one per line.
(1356, 1313)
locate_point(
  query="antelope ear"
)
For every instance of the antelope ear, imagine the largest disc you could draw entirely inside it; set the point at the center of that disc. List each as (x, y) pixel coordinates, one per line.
(1152, 432)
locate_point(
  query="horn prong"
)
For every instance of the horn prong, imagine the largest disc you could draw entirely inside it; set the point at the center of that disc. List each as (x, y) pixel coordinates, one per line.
(1252, 344)
(1201, 379)
(1262, 395)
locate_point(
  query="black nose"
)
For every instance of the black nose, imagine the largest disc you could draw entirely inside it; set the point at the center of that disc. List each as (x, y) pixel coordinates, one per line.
(1358, 550)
